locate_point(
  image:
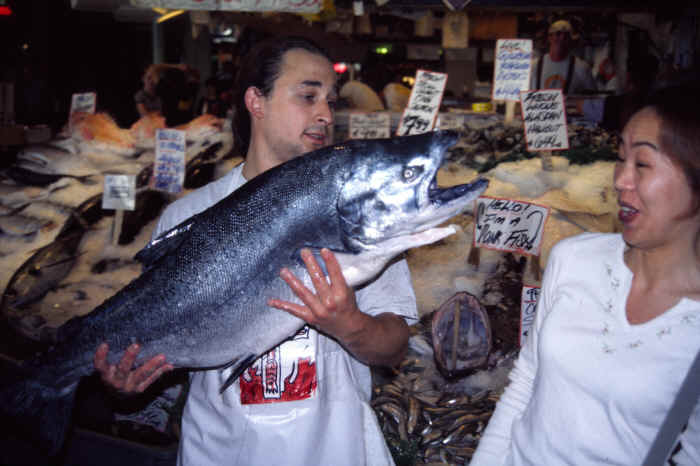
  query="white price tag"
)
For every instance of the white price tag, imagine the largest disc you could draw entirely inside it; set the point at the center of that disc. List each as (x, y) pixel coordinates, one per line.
(528, 305)
(453, 121)
(424, 103)
(511, 74)
(370, 125)
(169, 166)
(119, 192)
(544, 117)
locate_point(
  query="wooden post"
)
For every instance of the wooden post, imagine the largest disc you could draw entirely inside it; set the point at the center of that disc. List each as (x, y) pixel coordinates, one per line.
(510, 111)
(547, 164)
(117, 226)
(535, 267)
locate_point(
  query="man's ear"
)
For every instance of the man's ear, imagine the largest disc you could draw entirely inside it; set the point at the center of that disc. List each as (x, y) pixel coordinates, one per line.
(254, 102)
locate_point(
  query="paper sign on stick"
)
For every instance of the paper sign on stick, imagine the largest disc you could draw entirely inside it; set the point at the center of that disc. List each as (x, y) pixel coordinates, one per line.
(424, 103)
(169, 167)
(509, 225)
(85, 102)
(453, 121)
(528, 305)
(370, 125)
(119, 192)
(511, 68)
(544, 117)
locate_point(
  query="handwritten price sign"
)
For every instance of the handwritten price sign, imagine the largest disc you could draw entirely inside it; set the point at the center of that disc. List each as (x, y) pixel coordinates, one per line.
(169, 168)
(370, 125)
(453, 121)
(528, 305)
(511, 68)
(508, 225)
(545, 120)
(119, 192)
(424, 103)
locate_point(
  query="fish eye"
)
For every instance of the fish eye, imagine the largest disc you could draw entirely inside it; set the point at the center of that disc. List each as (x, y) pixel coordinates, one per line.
(411, 173)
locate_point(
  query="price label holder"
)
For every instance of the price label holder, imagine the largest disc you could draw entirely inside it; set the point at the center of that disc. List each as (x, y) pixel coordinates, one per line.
(544, 120)
(423, 104)
(119, 193)
(453, 121)
(83, 102)
(528, 305)
(370, 125)
(169, 166)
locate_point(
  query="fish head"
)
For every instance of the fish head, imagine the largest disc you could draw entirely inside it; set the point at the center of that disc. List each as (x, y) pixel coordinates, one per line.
(391, 190)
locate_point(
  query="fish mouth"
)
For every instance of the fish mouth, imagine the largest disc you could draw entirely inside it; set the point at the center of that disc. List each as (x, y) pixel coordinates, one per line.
(438, 197)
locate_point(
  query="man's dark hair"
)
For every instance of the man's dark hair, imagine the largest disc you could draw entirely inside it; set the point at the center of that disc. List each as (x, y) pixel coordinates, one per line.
(260, 69)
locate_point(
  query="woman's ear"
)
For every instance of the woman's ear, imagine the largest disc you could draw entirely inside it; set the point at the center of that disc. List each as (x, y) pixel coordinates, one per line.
(254, 102)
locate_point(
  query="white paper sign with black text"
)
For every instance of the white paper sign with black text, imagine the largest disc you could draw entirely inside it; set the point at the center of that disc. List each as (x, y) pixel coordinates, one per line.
(424, 103)
(85, 102)
(169, 167)
(509, 225)
(511, 69)
(119, 192)
(528, 305)
(370, 125)
(453, 121)
(544, 117)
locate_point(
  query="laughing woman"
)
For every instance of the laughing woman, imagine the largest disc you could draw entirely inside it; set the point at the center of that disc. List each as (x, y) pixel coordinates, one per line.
(618, 320)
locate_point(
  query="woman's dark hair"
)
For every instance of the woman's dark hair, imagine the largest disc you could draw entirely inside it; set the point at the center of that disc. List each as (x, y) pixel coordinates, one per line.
(260, 69)
(680, 129)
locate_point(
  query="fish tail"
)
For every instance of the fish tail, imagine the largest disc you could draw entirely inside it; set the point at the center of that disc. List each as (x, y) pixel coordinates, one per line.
(37, 411)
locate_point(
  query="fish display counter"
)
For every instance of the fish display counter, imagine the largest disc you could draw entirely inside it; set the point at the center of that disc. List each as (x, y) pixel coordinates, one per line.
(59, 259)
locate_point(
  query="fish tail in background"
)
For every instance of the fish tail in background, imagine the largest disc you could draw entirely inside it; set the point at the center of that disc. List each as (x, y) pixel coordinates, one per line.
(36, 411)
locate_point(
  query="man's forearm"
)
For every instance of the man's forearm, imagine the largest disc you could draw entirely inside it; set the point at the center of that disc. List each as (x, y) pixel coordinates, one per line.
(382, 340)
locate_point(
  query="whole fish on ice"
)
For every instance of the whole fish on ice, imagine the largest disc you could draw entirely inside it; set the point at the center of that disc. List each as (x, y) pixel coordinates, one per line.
(201, 299)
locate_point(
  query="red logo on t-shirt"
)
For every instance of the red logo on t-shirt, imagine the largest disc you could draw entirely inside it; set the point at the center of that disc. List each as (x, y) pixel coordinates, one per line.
(285, 373)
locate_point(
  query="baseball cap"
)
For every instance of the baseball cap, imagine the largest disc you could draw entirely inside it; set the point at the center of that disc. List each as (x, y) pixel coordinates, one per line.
(561, 26)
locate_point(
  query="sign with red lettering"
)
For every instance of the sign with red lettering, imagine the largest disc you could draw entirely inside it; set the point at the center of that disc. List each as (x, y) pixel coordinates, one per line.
(285, 373)
(528, 305)
(509, 225)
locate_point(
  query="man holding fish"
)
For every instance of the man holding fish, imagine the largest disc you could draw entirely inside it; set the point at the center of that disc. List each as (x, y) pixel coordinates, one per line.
(306, 401)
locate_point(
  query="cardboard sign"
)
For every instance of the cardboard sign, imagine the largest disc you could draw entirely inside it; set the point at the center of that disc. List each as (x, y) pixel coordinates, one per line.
(511, 69)
(370, 125)
(509, 225)
(169, 167)
(303, 6)
(528, 305)
(454, 121)
(119, 192)
(424, 103)
(544, 117)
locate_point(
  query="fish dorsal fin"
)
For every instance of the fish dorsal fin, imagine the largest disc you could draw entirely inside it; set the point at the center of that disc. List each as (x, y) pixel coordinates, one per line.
(239, 365)
(164, 244)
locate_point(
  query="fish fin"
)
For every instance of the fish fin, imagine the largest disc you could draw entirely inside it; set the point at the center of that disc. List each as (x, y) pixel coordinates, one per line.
(239, 365)
(163, 244)
(38, 411)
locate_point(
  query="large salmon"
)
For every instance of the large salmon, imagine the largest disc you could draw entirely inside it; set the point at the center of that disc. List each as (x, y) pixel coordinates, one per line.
(201, 299)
